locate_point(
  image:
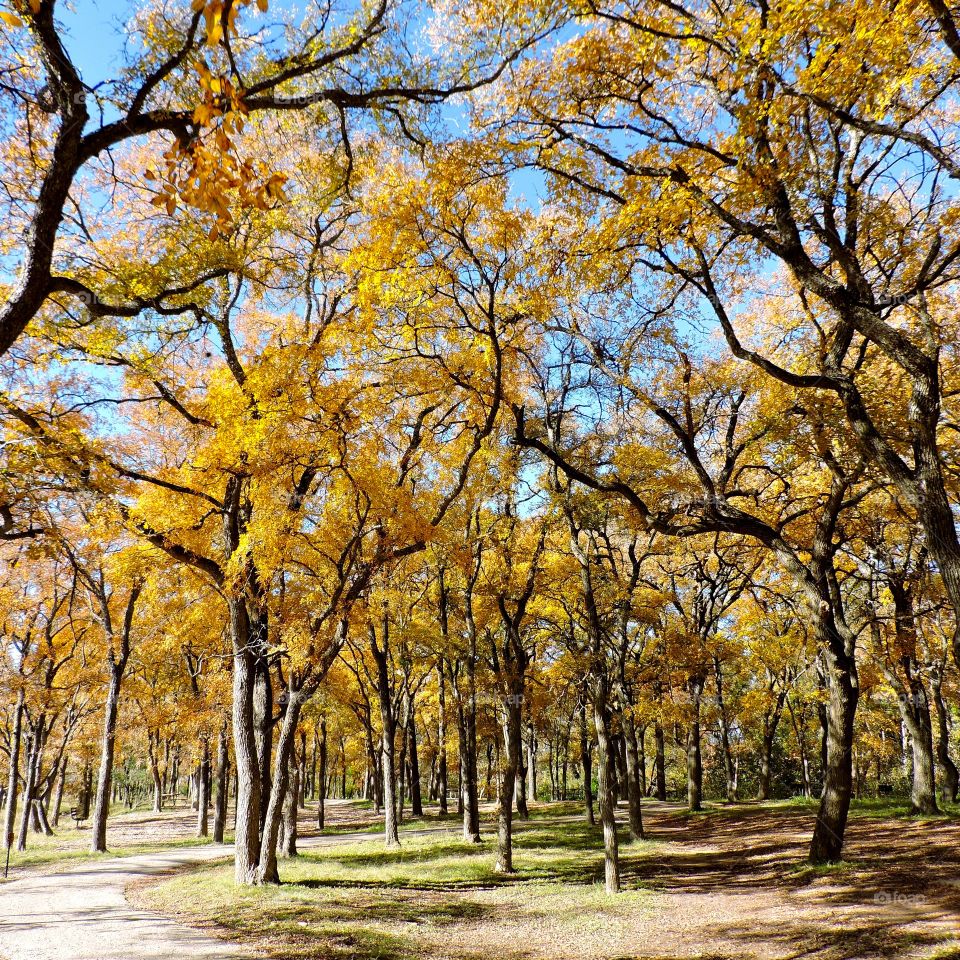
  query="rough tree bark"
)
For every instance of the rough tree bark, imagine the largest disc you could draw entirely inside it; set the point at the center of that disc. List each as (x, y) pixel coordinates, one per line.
(948, 769)
(291, 803)
(388, 726)
(611, 854)
(634, 786)
(694, 760)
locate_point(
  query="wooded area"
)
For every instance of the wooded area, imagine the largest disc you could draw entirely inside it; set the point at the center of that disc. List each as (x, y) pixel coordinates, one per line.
(476, 403)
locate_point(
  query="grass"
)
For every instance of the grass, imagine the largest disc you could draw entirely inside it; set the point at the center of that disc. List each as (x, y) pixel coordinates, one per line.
(436, 896)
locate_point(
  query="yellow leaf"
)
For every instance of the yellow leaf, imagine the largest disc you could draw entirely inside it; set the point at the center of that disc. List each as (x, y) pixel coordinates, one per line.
(262, 5)
(10, 19)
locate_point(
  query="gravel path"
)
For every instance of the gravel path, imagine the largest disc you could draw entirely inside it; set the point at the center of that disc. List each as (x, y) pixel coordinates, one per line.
(82, 914)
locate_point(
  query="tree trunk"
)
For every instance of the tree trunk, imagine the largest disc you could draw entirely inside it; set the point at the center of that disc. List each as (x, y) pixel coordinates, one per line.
(246, 759)
(469, 794)
(263, 732)
(766, 753)
(660, 761)
(531, 762)
(520, 783)
(101, 809)
(948, 769)
(13, 775)
(322, 784)
(58, 794)
(442, 784)
(302, 772)
(827, 843)
(416, 796)
(291, 804)
(267, 871)
(915, 711)
(611, 855)
(220, 807)
(510, 760)
(586, 759)
(29, 784)
(203, 789)
(694, 761)
(155, 774)
(634, 786)
(728, 761)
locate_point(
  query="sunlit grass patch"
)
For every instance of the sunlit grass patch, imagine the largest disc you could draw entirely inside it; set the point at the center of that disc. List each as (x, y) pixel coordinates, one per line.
(436, 896)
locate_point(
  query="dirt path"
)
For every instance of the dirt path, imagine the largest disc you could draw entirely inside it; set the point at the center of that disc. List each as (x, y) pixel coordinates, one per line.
(81, 913)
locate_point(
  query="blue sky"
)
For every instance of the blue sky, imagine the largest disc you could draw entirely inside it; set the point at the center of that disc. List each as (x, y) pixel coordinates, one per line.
(96, 36)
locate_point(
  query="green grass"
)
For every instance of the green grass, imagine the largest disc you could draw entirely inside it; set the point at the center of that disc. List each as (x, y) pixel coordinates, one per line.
(433, 896)
(886, 808)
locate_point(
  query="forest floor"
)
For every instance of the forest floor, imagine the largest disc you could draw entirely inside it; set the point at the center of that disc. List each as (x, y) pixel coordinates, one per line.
(730, 883)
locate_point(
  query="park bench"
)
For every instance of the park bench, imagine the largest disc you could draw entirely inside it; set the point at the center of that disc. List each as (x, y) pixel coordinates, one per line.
(78, 816)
